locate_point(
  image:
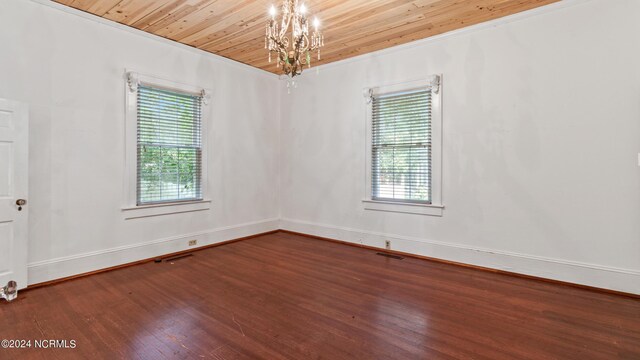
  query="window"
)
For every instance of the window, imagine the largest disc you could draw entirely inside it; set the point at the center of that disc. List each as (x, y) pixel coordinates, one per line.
(166, 157)
(169, 150)
(403, 169)
(401, 146)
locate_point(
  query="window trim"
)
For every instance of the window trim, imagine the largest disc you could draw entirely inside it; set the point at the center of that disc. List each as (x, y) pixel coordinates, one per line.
(436, 207)
(133, 80)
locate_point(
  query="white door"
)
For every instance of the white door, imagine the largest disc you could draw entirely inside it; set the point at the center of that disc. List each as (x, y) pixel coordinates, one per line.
(14, 132)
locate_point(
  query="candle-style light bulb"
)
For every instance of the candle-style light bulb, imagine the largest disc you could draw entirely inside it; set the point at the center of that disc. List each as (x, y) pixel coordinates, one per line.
(316, 23)
(272, 11)
(303, 9)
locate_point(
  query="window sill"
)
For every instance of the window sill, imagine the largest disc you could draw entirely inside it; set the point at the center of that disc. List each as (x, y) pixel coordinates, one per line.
(407, 208)
(135, 212)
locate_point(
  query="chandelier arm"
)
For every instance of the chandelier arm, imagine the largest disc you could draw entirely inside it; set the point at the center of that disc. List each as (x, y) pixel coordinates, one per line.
(314, 47)
(285, 26)
(304, 48)
(278, 42)
(299, 43)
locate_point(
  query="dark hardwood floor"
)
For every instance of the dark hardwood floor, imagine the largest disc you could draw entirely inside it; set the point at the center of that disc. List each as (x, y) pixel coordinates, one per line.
(283, 296)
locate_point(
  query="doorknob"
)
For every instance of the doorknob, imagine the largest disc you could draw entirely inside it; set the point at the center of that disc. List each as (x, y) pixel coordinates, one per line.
(21, 202)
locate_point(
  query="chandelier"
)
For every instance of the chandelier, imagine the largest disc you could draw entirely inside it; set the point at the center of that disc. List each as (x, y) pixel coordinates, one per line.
(289, 38)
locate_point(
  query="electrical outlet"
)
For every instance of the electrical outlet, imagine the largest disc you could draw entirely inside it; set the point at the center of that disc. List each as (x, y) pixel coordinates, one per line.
(193, 242)
(387, 244)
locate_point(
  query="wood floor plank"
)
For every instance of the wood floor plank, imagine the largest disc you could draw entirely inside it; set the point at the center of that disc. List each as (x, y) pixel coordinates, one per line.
(285, 296)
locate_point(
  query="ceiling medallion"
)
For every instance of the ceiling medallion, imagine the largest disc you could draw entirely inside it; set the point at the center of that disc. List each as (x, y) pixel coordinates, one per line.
(288, 37)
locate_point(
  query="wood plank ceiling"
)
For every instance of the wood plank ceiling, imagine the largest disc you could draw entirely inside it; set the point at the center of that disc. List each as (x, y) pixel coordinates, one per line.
(235, 28)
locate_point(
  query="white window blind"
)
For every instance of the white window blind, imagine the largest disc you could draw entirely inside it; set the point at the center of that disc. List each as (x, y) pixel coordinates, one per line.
(169, 150)
(401, 146)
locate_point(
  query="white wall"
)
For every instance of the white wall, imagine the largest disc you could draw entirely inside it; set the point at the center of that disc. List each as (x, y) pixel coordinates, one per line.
(541, 117)
(541, 121)
(70, 69)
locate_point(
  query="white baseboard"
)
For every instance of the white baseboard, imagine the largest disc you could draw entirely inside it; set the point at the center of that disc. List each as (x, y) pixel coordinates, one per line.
(58, 268)
(624, 280)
